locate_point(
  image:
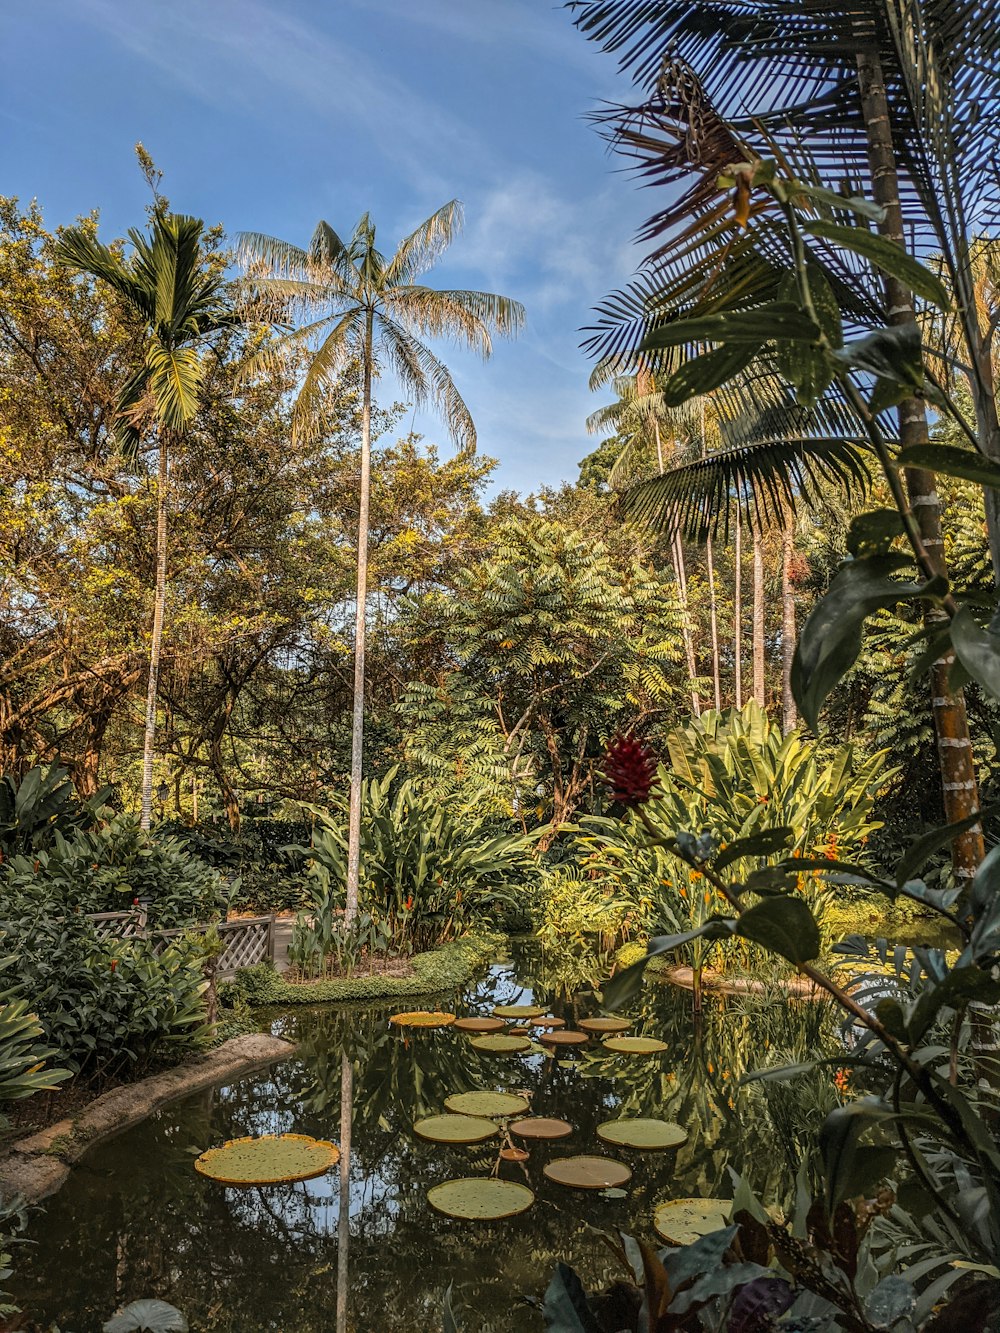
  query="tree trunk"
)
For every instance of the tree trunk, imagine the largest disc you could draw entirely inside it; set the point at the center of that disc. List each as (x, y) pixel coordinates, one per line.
(682, 586)
(358, 724)
(789, 713)
(713, 613)
(758, 620)
(738, 613)
(344, 1203)
(958, 773)
(159, 603)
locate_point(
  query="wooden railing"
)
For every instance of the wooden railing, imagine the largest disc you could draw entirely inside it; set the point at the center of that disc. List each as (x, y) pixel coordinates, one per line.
(244, 941)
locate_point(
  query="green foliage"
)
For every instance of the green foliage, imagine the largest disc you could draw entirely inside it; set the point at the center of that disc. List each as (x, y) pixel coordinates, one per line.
(23, 1052)
(111, 1009)
(41, 805)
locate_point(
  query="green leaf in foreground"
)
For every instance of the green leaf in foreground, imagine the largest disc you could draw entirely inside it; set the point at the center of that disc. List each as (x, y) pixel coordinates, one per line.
(785, 925)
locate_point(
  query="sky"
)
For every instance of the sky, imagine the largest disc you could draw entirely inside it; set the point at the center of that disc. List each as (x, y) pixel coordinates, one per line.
(266, 115)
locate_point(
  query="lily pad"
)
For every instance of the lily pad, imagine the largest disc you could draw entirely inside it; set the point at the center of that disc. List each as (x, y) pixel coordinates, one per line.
(635, 1045)
(454, 1128)
(548, 1021)
(270, 1159)
(564, 1038)
(514, 1154)
(646, 1134)
(519, 1010)
(540, 1127)
(683, 1221)
(480, 1024)
(501, 1045)
(588, 1173)
(480, 1199)
(490, 1105)
(607, 1026)
(423, 1018)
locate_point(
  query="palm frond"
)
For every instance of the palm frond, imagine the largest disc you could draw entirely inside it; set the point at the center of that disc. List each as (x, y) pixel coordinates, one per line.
(417, 252)
(465, 316)
(429, 380)
(84, 253)
(175, 379)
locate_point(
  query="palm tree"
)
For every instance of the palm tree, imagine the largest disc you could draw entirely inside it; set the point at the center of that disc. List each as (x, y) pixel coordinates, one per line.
(359, 307)
(177, 295)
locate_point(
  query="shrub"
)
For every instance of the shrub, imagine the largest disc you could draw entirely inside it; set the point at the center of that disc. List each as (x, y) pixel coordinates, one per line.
(111, 1008)
(40, 805)
(268, 872)
(23, 1054)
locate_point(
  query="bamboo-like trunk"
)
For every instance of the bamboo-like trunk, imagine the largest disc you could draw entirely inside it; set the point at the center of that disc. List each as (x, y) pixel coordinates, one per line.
(958, 774)
(692, 665)
(738, 612)
(789, 713)
(758, 620)
(713, 613)
(358, 721)
(156, 641)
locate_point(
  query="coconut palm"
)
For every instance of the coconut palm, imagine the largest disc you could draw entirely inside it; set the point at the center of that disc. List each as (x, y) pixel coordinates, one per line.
(178, 296)
(352, 304)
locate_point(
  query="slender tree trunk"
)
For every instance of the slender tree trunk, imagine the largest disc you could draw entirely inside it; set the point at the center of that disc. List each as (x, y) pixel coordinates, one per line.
(958, 773)
(344, 1202)
(358, 724)
(156, 641)
(789, 713)
(659, 446)
(758, 620)
(738, 612)
(682, 586)
(713, 612)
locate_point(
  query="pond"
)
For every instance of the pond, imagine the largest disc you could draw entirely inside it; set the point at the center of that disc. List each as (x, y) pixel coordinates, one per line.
(135, 1220)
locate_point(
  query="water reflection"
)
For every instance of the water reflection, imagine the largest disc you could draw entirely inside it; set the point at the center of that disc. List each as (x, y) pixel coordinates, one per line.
(135, 1220)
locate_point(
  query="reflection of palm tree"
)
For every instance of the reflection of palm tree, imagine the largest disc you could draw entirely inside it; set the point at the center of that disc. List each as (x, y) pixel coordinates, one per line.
(344, 1211)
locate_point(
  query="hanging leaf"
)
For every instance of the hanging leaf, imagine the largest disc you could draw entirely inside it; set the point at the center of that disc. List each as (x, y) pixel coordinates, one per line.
(978, 650)
(565, 1307)
(873, 533)
(776, 320)
(919, 853)
(838, 1142)
(953, 462)
(764, 843)
(887, 255)
(783, 924)
(894, 354)
(705, 373)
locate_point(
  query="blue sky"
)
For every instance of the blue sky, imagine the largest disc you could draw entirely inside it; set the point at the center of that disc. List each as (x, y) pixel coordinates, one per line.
(268, 114)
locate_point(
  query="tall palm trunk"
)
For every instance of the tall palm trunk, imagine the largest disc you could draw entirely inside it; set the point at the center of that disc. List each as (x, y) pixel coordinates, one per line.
(958, 773)
(713, 614)
(738, 612)
(358, 722)
(344, 1203)
(758, 620)
(789, 713)
(682, 586)
(156, 641)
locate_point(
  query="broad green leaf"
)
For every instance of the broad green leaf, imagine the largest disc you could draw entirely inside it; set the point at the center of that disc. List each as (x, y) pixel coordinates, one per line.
(778, 319)
(978, 650)
(855, 203)
(887, 255)
(624, 985)
(838, 1142)
(892, 1300)
(147, 1317)
(830, 639)
(953, 462)
(764, 843)
(873, 533)
(702, 374)
(919, 853)
(959, 988)
(785, 925)
(892, 354)
(566, 1308)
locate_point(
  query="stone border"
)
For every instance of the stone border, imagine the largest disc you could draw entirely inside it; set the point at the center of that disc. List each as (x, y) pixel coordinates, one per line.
(797, 988)
(36, 1166)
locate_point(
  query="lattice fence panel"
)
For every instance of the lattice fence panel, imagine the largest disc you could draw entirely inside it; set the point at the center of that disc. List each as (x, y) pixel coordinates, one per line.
(118, 925)
(244, 943)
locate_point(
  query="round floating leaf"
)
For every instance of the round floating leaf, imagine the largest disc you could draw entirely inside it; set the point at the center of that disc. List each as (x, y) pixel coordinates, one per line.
(588, 1173)
(683, 1221)
(514, 1154)
(648, 1135)
(540, 1127)
(635, 1045)
(490, 1105)
(548, 1021)
(519, 1032)
(480, 1024)
(478, 1198)
(454, 1128)
(606, 1026)
(563, 1038)
(614, 1194)
(422, 1018)
(270, 1159)
(519, 1010)
(500, 1045)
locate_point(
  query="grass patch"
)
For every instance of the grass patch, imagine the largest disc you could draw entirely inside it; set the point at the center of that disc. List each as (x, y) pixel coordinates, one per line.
(440, 969)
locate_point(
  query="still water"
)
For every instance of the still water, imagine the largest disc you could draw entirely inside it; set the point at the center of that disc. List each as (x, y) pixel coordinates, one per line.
(135, 1220)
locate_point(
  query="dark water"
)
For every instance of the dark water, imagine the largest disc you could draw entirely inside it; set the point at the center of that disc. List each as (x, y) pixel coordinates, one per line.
(135, 1220)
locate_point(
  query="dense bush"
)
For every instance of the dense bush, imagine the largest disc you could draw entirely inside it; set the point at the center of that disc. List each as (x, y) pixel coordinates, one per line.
(23, 1052)
(111, 1009)
(40, 805)
(268, 874)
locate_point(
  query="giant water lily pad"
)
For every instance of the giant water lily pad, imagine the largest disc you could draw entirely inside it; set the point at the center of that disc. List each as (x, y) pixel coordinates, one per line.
(454, 1128)
(604, 1026)
(480, 1199)
(490, 1105)
(635, 1045)
(548, 1021)
(480, 1024)
(683, 1221)
(423, 1018)
(646, 1134)
(519, 1010)
(563, 1038)
(270, 1159)
(588, 1173)
(540, 1127)
(501, 1045)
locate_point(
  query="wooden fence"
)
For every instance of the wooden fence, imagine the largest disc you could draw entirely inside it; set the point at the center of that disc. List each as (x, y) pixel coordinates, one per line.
(244, 941)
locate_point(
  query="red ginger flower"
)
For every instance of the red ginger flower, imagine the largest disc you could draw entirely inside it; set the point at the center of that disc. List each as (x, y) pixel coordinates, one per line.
(630, 771)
